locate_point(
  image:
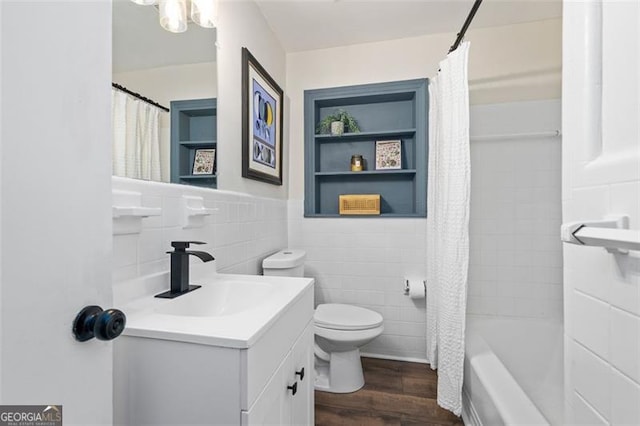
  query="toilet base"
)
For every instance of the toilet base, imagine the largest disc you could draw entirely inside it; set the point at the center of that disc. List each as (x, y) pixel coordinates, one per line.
(342, 374)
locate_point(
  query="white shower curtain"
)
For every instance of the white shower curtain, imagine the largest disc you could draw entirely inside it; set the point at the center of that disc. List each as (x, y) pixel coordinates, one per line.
(136, 141)
(448, 225)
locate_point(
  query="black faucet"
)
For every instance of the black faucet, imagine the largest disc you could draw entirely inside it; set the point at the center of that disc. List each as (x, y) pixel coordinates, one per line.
(180, 268)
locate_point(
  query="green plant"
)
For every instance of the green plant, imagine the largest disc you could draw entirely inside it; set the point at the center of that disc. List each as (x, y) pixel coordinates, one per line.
(350, 123)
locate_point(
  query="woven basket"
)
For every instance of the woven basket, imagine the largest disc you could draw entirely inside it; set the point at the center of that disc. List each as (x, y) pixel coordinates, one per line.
(359, 204)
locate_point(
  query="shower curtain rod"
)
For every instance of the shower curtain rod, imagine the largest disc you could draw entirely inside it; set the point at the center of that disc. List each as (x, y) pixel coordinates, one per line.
(465, 26)
(139, 96)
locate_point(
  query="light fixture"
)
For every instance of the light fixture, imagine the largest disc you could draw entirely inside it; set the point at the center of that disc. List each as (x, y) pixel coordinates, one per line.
(173, 13)
(204, 13)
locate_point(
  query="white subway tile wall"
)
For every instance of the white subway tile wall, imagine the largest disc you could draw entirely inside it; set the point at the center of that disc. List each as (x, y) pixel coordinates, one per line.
(243, 231)
(601, 176)
(515, 264)
(364, 262)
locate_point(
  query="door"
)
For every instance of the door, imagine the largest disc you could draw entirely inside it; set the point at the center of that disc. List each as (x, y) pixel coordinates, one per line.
(55, 223)
(601, 176)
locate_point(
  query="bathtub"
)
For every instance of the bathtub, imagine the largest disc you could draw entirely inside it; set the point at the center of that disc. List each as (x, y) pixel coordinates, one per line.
(513, 372)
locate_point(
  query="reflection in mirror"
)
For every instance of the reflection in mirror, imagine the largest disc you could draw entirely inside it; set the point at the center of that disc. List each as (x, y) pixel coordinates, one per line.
(170, 70)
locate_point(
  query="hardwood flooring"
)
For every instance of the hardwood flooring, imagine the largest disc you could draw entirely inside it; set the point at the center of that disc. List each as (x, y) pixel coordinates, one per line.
(395, 393)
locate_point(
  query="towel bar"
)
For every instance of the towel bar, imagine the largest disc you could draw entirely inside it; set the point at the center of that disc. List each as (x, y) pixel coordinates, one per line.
(612, 233)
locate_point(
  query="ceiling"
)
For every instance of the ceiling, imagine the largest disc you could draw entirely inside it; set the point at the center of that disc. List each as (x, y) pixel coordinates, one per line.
(139, 42)
(316, 24)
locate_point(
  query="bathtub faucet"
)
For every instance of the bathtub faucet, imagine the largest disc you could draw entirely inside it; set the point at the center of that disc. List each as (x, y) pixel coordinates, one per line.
(180, 268)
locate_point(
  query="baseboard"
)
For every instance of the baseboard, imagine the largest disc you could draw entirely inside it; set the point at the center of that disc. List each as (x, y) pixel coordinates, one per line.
(395, 358)
(469, 414)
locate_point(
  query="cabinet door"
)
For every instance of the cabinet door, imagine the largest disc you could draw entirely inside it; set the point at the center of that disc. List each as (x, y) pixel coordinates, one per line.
(273, 406)
(277, 404)
(302, 403)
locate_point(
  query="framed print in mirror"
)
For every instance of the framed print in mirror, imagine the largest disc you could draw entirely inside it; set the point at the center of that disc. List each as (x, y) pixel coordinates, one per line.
(204, 161)
(261, 123)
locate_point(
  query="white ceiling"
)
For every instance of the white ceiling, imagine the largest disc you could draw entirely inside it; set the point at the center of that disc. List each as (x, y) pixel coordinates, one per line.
(315, 24)
(139, 42)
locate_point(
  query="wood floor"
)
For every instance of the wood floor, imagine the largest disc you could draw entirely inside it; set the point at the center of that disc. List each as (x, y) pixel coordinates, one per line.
(395, 393)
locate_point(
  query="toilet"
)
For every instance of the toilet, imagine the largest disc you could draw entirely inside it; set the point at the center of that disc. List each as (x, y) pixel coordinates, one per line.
(340, 330)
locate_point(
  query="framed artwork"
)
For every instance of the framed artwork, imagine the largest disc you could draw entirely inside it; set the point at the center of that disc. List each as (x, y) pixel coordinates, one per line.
(203, 162)
(388, 155)
(261, 123)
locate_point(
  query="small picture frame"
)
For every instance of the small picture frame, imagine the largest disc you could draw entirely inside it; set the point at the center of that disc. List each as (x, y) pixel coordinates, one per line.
(388, 155)
(204, 161)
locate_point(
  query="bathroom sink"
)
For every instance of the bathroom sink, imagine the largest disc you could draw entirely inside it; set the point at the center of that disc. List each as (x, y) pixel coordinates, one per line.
(229, 310)
(219, 299)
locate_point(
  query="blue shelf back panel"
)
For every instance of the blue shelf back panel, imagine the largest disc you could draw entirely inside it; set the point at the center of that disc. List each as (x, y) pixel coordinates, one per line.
(336, 157)
(202, 128)
(395, 192)
(377, 116)
(384, 111)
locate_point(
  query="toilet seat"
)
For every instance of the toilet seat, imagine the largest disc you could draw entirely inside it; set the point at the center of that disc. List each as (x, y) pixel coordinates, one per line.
(337, 316)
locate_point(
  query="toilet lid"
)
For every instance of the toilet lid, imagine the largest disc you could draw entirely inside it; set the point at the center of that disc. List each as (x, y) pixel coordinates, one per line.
(337, 316)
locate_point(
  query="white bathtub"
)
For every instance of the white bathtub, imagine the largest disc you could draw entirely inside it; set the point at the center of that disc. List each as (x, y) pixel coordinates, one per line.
(513, 372)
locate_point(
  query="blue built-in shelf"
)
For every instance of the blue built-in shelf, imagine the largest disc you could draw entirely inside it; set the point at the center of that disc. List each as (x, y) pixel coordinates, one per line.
(197, 143)
(198, 177)
(369, 173)
(387, 134)
(384, 111)
(193, 126)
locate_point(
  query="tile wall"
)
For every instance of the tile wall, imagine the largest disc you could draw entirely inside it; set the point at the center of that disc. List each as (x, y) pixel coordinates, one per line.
(516, 254)
(364, 262)
(601, 176)
(239, 235)
(515, 265)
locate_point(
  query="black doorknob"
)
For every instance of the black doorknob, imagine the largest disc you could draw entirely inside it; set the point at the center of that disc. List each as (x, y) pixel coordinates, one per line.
(92, 322)
(300, 373)
(293, 388)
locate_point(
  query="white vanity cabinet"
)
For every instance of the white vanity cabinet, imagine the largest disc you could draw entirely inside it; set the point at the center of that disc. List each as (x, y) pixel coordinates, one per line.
(162, 380)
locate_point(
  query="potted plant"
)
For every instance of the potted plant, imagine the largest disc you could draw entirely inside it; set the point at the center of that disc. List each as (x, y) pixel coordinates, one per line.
(337, 123)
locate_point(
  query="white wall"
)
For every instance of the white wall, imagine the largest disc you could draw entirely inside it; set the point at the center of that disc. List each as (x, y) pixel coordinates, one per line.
(364, 261)
(166, 84)
(251, 223)
(55, 200)
(515, 265)
(174, 83)
(509, 63)
(244, 231)
(241, 24)
(601, 175)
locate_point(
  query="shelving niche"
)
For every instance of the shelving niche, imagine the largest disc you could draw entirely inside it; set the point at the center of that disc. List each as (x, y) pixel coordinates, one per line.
(384, 111)
(193, 126)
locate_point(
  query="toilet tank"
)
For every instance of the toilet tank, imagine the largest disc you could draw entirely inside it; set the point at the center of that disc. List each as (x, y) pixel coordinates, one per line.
(285, 263)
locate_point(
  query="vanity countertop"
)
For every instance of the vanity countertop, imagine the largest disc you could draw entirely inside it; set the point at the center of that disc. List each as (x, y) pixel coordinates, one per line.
(229, 310)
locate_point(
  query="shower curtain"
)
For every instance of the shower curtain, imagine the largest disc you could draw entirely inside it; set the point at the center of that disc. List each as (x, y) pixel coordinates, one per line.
(448, 225)
(136, 140)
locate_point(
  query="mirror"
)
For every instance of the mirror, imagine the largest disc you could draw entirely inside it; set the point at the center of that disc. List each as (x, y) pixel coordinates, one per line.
(163, 67)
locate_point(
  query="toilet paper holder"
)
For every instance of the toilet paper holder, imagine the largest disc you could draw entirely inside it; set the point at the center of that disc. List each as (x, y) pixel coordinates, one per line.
(407, 288)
